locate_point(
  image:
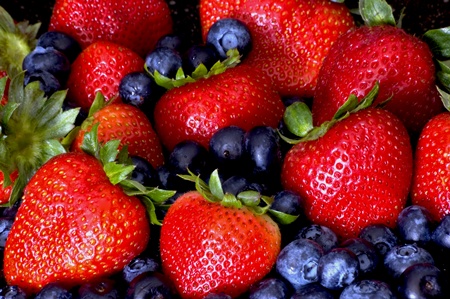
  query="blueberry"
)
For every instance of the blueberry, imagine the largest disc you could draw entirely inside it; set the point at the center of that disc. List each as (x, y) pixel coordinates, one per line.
(401, 257)
(13, 292)
(170, 180)
(423, 281)
(150, 285)
(48, 83)
(365, 251)
(189, 155)
(171, 41)
(270, 288)
(312, 291)
(337, 268)
(217, 296)
(381, 236)
(229, 33)
(139, 265)
(321, 234)
(140, 90)
(54, 291)
(143, 172)
(235, 184)
(164, 60)
(200, 54)
(49, 60)
(103, 288)
(61, 42)
(441, 235)
(5, 227)
(287, 202)
(415, 225)
(298, 262)
(367, 289)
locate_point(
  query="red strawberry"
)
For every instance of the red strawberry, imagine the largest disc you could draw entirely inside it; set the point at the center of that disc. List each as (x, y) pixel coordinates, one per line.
(224, 249)
(128, 124)
(290, 38)
(4, 97)
(100, 67)
(5, 192)
(134, 24)
(239, 96)
(401, 63)
(358, 173)
(72, 226)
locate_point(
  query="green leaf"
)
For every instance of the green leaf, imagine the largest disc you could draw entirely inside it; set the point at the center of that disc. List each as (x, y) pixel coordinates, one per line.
(298, 119)
(3, 86)
(98, 103)
(151, 211)
(215, 185)
(283, 218)
(376, 12)
(230, 201)
(439, 42)
(249, 198)
(117, 172)
(443, 74)
(445, 97)
(108, 152)
(350, 104)
(90, 143)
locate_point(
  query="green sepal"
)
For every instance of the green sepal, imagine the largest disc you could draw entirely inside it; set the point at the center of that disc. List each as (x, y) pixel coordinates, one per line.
(376, 12)
(445, 98)
(3, 86)
(283, 218)
(439, 42)
(298, 119)
(215, 186)
(249, 198)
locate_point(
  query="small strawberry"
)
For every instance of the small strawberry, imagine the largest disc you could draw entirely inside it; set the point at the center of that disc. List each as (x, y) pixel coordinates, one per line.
(378, 51)
(126, 123)
(228, 245)
(290, 38)
(5, 192)
(352, 172)
(236, 96)
(100, 67)
(134, 24)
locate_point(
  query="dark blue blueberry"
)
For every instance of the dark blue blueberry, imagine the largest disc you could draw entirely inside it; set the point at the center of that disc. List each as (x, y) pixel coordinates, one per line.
(423, 281)
(217, 296)
(200, 54)
(189, 155)
(169, 179)
(150, 285)
(54, 291)
(48, 83)
(415, 225)
(381, 236)
(270, 288)
(235, 184)
(323, 235)
(171, 41)
(401, 257)
(287, 202)
(103, 288)
(143, 172)
(441, 235)
(48, 60)
(229, 33)
(226, 147)
(61, 42)
(298, 262)
(12, 292)
(5, 227)
(164, 60)
(313, 291)
(367, 289)
(139, 265)
(365, 251)
(337, 268)
(140, 90)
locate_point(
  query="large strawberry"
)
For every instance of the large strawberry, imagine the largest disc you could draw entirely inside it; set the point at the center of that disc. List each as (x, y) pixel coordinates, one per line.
(290, 38)
(226, 247)
(355, 174)
(100, 67)
(378, 51)
(134, 24)
(237, 96)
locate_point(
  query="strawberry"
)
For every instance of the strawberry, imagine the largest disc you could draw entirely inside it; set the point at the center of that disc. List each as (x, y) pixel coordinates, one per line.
(134, 24)
(100, 67)
(4, 98)
(5, 192)
(225, 248)
(355, 174)
(126, 123)
(402, 64)
(290, 38)
(238, 96)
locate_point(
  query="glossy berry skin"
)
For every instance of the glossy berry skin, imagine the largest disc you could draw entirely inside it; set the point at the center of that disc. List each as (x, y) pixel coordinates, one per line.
(164, 60)
(48, 83)
(287, 202)
(139, 90)
(134, 24)
(298, 262)
(222, 250)
(321, 234)
(89, 226)
(60, 41)
(429, 190)
(366, 253)
(5, 228)
(189, 155)
(49, 60)
(171, 41)
(270, 288)
(150, 285)
(139, 265)
(103, 288)
(100, 68)
(54, 291)
(386, 54)
(380, 236)
(200, 54)
(338, 268)
(329, 171)
(367, 289)
(441, 235)
(229, 33)
(401, 257)
(313, 291)
(195, 111)
(285, 36)
(415, 225)
(143, 172)
(422, 281)
(12, 292)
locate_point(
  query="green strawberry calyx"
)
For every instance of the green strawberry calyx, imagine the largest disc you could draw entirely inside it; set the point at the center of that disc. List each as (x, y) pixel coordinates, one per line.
(118, 167)
(233, 59)
(259, 204)
(376, 12)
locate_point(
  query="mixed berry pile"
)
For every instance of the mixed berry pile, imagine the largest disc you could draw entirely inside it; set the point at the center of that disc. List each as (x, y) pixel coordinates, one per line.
(225, 149)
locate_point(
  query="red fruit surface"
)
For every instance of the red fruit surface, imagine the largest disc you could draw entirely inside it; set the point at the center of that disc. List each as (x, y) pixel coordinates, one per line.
(100, 67)
(358, 173)
(290, 38)
(73, 226)
(4, 98)
(221, 250)
(135, 24)
(131, 126)
(6, 192)
(401, 63)
(430, 187)
(195, 111)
